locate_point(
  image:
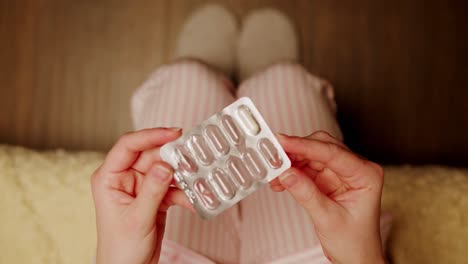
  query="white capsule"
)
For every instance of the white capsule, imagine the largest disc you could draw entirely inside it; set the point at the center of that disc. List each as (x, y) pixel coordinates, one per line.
(248, 121)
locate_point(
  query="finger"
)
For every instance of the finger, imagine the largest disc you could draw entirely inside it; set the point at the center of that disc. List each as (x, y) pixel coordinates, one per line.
(128, 147)
(276, 185)
(275, 182)
(318, 166)
(338, 159)
(152, 191)
(299, 161)
(146, 159)
(278, 188)
(305, 192)
(326, 137)
(173, 197)
(329, 183)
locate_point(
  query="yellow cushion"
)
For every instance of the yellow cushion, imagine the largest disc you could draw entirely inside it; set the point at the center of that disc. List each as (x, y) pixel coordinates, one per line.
(430, 208)
(47, 213)
(46, 209)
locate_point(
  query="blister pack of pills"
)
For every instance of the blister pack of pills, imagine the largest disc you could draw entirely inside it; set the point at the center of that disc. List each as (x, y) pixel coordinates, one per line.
(225, 158)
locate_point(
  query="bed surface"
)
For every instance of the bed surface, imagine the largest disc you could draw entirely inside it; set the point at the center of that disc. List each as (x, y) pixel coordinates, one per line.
(48, 216)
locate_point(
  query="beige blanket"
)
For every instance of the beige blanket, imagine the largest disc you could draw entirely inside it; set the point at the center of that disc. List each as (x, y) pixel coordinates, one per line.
(47, 214)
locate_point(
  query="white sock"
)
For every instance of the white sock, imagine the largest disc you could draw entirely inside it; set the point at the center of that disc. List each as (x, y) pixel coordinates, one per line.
(267, 37)
(210, 35)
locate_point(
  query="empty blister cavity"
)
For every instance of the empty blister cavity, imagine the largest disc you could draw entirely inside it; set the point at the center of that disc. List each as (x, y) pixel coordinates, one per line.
(217, 140)
(254, 164)
(270, 153)
(206, 195)
(225, 158)
(222, 184)
(201, 149)
(232, 130)
(239, 173)
(184, 161)
(248, 121)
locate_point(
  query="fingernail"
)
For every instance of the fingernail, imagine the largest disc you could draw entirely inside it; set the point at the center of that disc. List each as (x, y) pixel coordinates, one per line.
(288, 179)
(175, 129)
(161, 173)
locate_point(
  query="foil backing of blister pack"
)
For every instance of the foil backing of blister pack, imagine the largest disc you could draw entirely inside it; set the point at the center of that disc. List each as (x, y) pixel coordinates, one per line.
(225, 158)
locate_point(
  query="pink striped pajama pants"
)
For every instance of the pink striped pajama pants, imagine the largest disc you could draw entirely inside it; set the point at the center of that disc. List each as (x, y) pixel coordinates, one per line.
(266, 227)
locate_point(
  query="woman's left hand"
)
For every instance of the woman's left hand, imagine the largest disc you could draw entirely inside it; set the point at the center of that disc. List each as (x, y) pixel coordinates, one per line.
(340, 191)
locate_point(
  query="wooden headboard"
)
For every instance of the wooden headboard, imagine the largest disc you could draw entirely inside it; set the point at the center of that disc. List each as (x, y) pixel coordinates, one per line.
(399, 68)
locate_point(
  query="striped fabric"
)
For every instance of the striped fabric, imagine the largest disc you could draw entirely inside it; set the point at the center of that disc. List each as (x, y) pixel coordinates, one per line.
(265, 227)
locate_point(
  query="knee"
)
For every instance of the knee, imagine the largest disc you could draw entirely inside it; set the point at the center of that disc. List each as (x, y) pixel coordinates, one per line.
(290, 74)
(293, 69)
(302, 78)
(173, 75)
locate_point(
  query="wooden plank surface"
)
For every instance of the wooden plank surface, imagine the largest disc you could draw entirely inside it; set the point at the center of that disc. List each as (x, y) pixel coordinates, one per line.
(399, 67)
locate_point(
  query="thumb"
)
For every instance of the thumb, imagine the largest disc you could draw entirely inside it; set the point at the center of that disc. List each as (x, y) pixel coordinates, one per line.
(306, 193)
(153, 189)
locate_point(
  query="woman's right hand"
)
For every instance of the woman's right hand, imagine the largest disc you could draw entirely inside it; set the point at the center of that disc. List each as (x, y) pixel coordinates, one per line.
(340, 191)
(132, 194)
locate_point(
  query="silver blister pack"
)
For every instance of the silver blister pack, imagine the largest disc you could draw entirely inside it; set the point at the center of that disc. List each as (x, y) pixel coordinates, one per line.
(225, 158)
